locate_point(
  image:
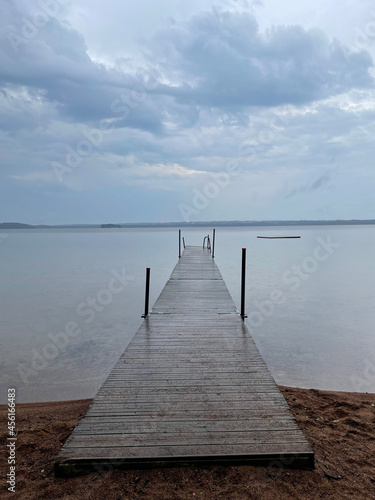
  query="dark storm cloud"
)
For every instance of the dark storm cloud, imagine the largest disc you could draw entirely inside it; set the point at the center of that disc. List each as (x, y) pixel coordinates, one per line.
(220, 83)
(319, 183)
(216, 59)
(222, 60)
(55, 63)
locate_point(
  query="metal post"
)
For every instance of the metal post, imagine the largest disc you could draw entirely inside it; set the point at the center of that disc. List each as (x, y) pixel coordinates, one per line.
(243, 276)
(213, 243)
(179, 243)
(147, 294)
(183, 242)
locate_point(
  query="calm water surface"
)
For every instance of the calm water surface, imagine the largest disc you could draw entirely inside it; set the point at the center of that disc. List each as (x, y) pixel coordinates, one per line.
(318, 333)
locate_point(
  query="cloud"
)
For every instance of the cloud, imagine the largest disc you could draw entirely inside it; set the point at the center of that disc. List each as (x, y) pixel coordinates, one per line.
(319, 183)
(215, 59)
(289, 104)
(221, 59)
(54, 63)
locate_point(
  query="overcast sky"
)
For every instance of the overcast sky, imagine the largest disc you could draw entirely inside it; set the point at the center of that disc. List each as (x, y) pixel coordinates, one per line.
(170, 110)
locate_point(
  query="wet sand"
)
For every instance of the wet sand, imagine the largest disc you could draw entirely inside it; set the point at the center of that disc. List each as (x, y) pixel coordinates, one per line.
(338, 425)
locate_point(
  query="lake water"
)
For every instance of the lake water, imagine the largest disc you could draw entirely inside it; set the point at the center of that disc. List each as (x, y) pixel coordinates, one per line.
(310, 301)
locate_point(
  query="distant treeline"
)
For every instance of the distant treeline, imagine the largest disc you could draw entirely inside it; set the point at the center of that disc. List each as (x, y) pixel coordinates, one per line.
(18, 225)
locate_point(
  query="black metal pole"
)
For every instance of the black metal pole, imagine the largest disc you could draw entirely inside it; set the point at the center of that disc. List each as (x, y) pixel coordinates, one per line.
(147, 294)
(179, 243)
(183, 242)
(243, 284)
(213, 243)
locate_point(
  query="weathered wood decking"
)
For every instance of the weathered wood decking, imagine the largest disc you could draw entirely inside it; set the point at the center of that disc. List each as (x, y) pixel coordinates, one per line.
(191, 387)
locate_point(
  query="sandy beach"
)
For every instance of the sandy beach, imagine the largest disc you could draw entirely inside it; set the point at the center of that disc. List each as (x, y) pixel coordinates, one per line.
(338, 425)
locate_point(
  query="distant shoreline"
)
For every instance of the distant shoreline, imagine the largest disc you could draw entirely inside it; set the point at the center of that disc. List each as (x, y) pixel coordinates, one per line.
(149, 225)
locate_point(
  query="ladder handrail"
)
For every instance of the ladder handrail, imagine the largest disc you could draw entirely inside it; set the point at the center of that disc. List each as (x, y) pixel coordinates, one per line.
(208, 242)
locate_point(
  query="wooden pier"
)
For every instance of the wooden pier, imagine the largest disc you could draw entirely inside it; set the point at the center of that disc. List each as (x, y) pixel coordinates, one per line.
(190, 388)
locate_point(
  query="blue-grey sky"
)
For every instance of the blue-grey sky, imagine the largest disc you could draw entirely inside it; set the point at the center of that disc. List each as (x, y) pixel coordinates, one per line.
(124, 111)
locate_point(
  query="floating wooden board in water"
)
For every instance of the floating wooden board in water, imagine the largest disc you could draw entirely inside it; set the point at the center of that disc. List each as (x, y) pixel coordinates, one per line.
(277, 237)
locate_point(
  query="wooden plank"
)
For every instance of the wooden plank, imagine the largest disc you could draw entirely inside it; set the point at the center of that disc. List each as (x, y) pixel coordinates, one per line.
(192, 414)
(191, 387)
(183, 438)
(157, 452)
(224, 417)
(97, 426)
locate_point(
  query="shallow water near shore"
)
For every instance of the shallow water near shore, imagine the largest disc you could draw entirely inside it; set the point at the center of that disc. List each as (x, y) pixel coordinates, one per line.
(71, 300)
